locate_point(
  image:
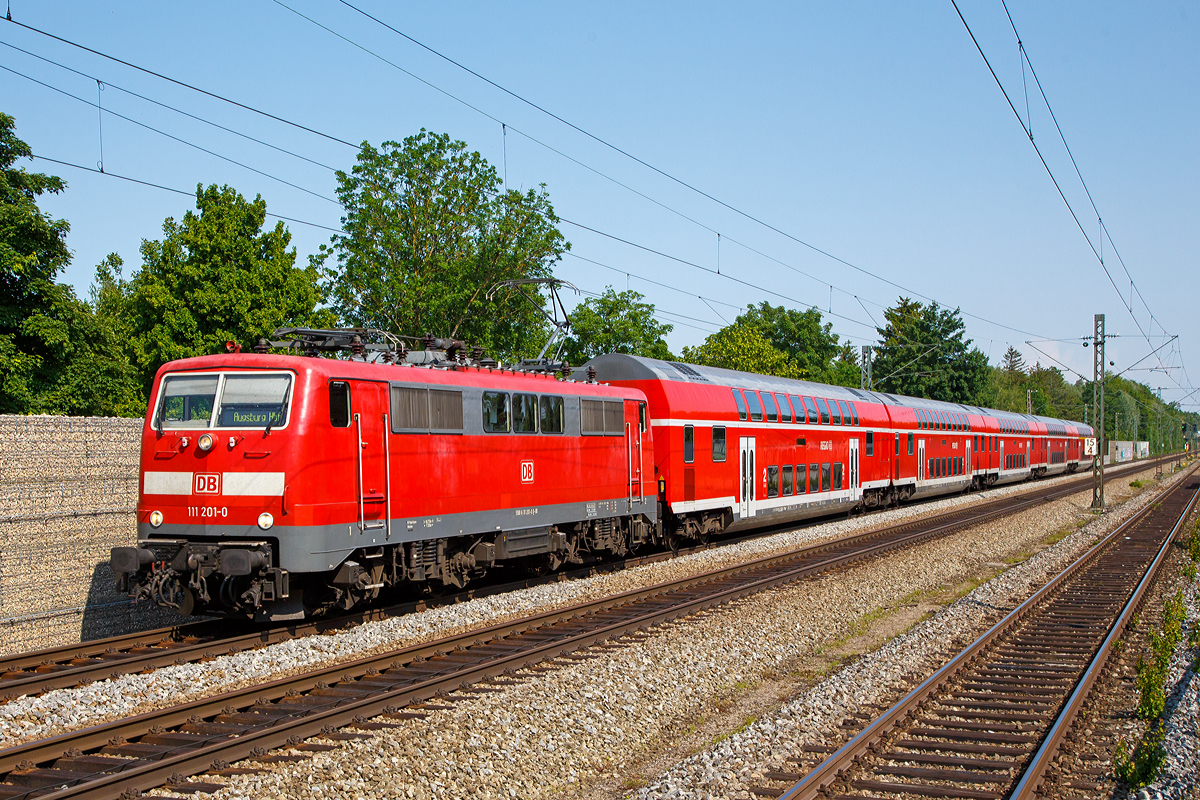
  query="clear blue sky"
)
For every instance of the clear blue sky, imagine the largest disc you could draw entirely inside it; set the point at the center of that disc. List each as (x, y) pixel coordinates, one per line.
(872, 131)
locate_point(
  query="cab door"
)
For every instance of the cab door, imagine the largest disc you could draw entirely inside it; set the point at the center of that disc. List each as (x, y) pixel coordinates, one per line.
(746, 455)
(635, 428)
(369, 404)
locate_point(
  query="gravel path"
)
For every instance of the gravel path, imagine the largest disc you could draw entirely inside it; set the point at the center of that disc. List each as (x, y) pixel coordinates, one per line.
(59, 711)
(586, 724)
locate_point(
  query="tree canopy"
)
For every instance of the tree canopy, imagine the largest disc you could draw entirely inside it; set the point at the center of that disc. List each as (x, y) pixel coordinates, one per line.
(812, 346)
(428, 231)
(616, 322)
(923, 352)
(743, 348)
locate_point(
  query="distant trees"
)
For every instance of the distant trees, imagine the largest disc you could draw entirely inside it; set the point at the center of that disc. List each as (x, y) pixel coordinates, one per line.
(616, 322)
(428, 230)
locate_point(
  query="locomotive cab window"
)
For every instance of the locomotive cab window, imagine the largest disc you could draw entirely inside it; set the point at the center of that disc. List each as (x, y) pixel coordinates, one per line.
(495, 412)
(689, 444)
(718, 451)
(741, 404)
(339, 404)
(551, 414)
(187, 401)
(254, 401)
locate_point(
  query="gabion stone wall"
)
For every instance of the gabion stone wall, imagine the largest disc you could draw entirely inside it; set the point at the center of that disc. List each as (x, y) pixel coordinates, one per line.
(68, 488)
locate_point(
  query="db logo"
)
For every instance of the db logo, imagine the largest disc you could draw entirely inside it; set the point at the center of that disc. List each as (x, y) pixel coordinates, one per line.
(207, 483)
(526, 472)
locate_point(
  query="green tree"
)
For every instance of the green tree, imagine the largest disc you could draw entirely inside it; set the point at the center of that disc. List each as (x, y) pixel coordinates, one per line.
(428, 231)
(616, 322)
(745, 349)
(923, 352)
(810, 344)
(215, 276)
(56, 356)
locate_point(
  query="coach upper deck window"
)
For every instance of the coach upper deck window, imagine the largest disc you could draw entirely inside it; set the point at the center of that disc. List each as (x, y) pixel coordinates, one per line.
(824, 410)
(339, 404)
(524, 413)
(689, 444)
(834, 413)
(552, 414)
(811, 407)
(785, 411)
(718, 454)
(798, 405)
(845, 412)
(756, 412)
(741, 404)
(495, 412)
(769, 402)
(853, 412)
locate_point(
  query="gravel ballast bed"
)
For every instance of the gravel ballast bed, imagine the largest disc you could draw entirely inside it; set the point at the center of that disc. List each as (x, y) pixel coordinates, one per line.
(56, 712)
(590, 721)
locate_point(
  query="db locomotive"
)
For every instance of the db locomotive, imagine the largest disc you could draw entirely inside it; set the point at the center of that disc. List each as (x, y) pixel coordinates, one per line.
(280, 486)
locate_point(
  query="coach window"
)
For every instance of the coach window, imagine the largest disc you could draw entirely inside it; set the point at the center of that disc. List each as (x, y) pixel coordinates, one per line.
(825, 477)
(811, 407)
(824, 410)
(870, 443)
(845, 412)
(718, 454)
(339, 404)
(910, 438)
(689, 444)
(787, 480)
(837, 476)
(798, 404)
(814, 478)
(897, 444)
(524, 413)
(741, 404)
(785, 411)
(834, 413)
(772, 481)
(769, 402)
(853, 412)
(495, 412)
(551, 414)
(756, 412)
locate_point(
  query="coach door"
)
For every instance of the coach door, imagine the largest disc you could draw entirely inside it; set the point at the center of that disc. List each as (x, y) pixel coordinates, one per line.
(970, 468)
(1003, 463)
(920, 460)
(746, 453)
(854, 492)
(371, 423)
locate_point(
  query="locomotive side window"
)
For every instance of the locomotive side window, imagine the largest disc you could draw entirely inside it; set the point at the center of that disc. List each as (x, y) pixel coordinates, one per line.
(254, 401)
(814, 478)
(772, 481)
(642, 417)
(187, 401)
(495, 412)
(339, 404)
(410, 408)
(834, 413)
(787, 480)
(756, 412)
(602, 417)
(552, 414)
(769, 402)
(524, 413)
(812, 410)
(785, 411)
(824, 410)
(445, 410)
(689, 444)
(741, 404)
(718, 453)
(870, 443)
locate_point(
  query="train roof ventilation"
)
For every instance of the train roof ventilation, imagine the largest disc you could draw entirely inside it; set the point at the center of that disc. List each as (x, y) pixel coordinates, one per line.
(687, 371)
(889, 397)
(858, 394)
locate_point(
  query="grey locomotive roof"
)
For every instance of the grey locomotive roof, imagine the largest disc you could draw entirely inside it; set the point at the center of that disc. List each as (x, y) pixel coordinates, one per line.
(621, 367)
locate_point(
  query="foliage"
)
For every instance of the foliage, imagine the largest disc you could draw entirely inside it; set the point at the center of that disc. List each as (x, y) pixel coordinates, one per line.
(1141, 766)
(1152, 673)
(56, 357)
(923, 352)
(215, 276)
(814, 348)
(616, 322)
(428, 231)
(745, 349)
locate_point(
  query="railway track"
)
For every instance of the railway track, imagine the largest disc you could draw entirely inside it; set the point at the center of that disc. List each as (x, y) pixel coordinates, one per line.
(990, 723)
(77, 664)
(161, 747)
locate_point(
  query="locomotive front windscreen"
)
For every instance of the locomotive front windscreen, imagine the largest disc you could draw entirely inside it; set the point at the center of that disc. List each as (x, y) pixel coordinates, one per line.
(239, 401)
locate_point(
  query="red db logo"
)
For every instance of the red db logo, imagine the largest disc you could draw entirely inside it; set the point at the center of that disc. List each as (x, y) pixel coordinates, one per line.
(207, 483)
(526, 472)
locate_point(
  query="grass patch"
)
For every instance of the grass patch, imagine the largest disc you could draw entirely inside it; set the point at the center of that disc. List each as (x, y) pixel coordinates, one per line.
(633, 782)
(1137, 484)
(746, 723)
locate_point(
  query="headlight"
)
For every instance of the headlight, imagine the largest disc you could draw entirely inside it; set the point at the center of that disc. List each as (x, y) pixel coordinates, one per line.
(155, 519)
(205, 442)
(265, 520)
